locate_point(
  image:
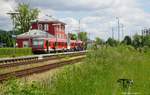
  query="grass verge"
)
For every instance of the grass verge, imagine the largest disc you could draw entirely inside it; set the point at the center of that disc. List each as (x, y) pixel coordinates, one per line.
(97, 75)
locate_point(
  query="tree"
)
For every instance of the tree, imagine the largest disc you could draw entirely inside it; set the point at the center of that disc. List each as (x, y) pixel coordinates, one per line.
(127, 40)
(72, 36)
(98, 41)
(137, 41)
(5, 37)
(146, 40)
(83, 36)
(25, 17)
(112, 42)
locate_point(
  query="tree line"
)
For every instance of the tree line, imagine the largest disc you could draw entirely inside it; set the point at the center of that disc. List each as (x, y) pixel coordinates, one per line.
(137, 41)
(6, 38)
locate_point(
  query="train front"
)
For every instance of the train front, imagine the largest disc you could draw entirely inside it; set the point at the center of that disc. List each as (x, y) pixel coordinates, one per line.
(38, 46)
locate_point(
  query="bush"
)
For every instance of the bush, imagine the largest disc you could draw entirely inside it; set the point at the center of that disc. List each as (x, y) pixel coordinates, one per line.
(13, 52)
(16, 87)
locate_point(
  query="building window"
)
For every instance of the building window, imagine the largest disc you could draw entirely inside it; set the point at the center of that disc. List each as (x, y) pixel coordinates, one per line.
(59, 28)
(46, 27)
(62, 28)
(56, 29)
(25, 44)
(40, 27)
(62, 36)
(57, 35)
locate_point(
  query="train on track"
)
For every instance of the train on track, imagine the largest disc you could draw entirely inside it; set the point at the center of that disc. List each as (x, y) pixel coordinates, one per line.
(47, 45)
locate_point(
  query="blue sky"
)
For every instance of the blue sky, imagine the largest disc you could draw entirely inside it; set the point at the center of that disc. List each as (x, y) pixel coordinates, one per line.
(145, 4)
(98, 17)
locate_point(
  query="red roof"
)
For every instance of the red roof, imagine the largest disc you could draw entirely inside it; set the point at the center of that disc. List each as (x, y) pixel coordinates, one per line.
(54, 21)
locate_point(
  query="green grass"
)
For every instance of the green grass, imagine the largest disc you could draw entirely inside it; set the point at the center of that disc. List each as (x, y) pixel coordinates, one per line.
(99, 73)
(15, 52)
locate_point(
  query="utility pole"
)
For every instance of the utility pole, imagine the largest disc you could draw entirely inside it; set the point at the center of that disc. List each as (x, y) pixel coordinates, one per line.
(79, 25)
(118, 28)
(122, 27)
(89, 35)
(79, 28)
(112, 33)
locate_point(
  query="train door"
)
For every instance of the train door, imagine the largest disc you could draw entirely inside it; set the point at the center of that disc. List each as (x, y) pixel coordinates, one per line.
(47, 46)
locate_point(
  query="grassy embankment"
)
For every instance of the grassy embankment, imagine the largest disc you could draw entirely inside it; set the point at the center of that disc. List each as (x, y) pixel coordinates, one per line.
(97, 75)
(15, 52)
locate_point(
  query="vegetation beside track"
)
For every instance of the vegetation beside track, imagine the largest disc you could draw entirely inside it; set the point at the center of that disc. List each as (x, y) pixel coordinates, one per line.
(14, 52)
(97, 75)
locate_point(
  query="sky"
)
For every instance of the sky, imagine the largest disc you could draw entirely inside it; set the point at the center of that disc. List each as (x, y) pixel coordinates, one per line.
(97, 17)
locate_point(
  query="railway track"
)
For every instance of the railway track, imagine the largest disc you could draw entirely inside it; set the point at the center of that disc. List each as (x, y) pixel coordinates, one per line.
(7, 63)
(39, 69)
(36, 70)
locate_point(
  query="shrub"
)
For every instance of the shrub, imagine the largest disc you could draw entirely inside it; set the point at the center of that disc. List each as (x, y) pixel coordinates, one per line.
(13, 52)
(16, 87)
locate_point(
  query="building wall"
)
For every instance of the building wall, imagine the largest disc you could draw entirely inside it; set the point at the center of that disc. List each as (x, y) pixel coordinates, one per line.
(56, 29)
(21, 41)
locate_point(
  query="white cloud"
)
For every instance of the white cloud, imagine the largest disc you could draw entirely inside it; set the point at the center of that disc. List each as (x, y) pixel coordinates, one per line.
(99, 15)
(5, 7)
(73, 5)
(44, 13)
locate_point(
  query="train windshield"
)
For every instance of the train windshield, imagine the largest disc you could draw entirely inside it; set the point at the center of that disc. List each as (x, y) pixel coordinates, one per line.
(38, 43)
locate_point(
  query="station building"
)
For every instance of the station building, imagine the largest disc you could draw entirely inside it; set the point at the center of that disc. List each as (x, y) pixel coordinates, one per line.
(48, 28)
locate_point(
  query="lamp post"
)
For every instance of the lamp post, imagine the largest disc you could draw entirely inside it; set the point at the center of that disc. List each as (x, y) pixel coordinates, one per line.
(13, 15)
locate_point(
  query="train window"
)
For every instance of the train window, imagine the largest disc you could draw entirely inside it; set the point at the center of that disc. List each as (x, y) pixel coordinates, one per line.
(37, 43)
(41, 42)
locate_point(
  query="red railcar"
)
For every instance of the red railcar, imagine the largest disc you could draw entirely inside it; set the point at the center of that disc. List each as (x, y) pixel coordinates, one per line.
(53, 44)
